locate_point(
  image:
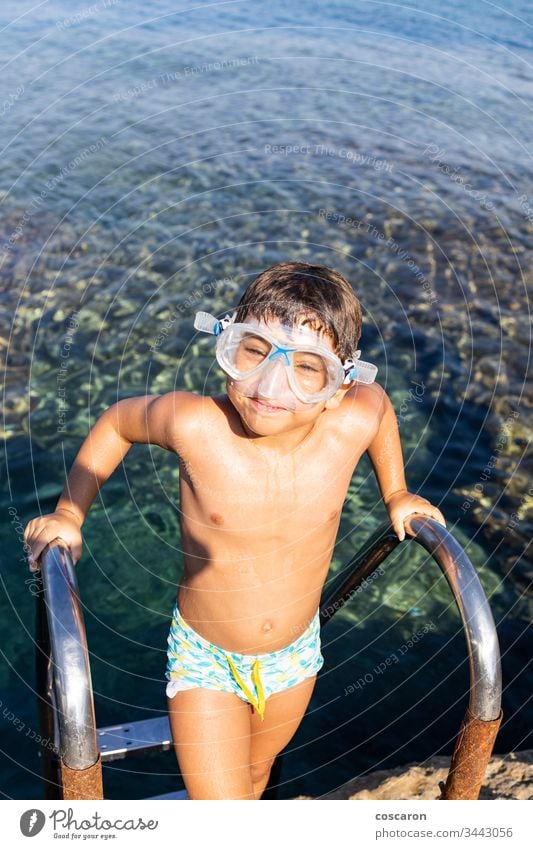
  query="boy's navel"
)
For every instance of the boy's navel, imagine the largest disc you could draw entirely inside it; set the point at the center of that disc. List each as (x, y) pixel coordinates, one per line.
(267, 626)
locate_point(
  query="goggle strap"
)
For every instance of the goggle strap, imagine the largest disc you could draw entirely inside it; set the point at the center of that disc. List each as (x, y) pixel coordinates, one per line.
(356, 369)
(349, 366)
(207, 323)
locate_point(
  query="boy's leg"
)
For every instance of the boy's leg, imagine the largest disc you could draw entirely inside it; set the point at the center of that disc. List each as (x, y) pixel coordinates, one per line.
(283, 713)
(211, 735)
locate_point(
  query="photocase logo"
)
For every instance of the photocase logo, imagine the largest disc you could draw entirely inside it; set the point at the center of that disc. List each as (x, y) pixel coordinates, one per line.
(32, 822)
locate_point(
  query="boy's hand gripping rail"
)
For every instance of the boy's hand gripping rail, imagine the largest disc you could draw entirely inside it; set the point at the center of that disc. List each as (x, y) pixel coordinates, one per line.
(483, 717)
(65, 678)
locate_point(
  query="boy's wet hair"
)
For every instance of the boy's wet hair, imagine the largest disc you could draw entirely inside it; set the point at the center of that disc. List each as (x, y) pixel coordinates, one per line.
(313, 295)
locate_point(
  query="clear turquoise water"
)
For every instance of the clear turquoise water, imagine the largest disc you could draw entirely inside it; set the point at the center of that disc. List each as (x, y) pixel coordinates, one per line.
(154, 160)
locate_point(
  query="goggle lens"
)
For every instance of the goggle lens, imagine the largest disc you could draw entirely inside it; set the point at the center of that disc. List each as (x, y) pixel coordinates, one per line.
(310, 372)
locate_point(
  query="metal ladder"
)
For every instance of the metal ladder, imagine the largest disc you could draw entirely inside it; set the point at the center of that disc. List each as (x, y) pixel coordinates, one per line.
(72, 769)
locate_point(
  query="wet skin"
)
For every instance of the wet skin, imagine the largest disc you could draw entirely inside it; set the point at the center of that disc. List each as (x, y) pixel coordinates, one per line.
(261, 494)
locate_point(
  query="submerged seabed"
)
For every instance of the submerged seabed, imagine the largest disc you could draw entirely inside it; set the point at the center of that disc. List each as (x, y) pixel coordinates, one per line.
(139, 186)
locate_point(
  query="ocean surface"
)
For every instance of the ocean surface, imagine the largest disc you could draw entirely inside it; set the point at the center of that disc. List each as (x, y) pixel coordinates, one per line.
(155, 157)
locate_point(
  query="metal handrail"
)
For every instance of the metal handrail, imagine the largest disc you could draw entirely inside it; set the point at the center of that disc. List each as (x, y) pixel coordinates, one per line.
(483, 716)
(70, 668)
(476, 615)
(71, 699)
(478, 623)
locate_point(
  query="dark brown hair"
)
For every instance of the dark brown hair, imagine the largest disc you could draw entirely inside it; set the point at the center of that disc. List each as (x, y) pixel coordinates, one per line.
(301, 293)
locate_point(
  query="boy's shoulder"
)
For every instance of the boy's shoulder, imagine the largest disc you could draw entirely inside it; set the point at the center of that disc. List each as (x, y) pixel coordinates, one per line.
(363, 406)
(366, 397)
(183, 415)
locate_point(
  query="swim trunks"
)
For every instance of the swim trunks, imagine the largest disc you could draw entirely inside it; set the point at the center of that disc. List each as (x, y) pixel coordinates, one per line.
(195, 662)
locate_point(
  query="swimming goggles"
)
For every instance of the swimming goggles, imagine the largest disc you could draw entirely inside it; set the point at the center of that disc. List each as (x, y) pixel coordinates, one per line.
(267, 363)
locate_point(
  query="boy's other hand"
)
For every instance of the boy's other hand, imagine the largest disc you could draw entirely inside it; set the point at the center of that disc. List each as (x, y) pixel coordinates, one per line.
(42, 530)
(404, 504)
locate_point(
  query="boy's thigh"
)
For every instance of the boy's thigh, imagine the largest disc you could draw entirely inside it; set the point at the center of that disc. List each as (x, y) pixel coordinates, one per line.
(283, 713)
(211, 735)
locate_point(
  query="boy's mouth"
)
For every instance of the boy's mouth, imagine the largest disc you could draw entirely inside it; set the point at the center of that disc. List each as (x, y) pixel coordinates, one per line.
(264, 406)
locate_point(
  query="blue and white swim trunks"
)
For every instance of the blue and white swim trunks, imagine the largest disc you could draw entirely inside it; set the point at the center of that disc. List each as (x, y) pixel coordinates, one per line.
(195, 662)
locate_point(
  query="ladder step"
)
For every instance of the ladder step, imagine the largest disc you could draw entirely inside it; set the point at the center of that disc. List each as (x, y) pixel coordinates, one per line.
(134, 738)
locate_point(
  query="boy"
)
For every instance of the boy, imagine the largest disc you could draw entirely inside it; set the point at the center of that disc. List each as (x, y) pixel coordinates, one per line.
(264, 471)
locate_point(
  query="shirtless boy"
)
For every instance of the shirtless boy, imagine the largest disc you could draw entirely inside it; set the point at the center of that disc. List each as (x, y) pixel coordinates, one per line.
(264, 472)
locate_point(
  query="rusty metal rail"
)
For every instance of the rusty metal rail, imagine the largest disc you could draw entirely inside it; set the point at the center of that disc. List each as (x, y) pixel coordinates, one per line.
(482, 719)
(72, 767)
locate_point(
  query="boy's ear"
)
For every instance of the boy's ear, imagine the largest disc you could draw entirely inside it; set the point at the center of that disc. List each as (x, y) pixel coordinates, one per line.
(336, 400)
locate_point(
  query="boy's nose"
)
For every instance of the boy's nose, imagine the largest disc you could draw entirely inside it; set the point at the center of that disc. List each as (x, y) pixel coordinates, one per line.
(273, 383)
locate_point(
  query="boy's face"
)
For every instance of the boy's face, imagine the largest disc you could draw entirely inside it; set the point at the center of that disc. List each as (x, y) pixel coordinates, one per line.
(268, 406)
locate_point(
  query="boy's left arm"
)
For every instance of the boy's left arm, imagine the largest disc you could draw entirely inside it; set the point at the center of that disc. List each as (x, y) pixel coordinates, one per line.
(385, 452)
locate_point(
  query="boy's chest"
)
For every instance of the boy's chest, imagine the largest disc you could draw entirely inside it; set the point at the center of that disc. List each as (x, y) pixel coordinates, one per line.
(251, 488)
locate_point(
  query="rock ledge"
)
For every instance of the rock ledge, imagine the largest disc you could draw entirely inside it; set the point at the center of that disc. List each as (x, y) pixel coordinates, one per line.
(508, 777)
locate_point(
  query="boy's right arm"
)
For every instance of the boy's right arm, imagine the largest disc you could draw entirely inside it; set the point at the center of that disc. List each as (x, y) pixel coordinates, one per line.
(145, 419)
